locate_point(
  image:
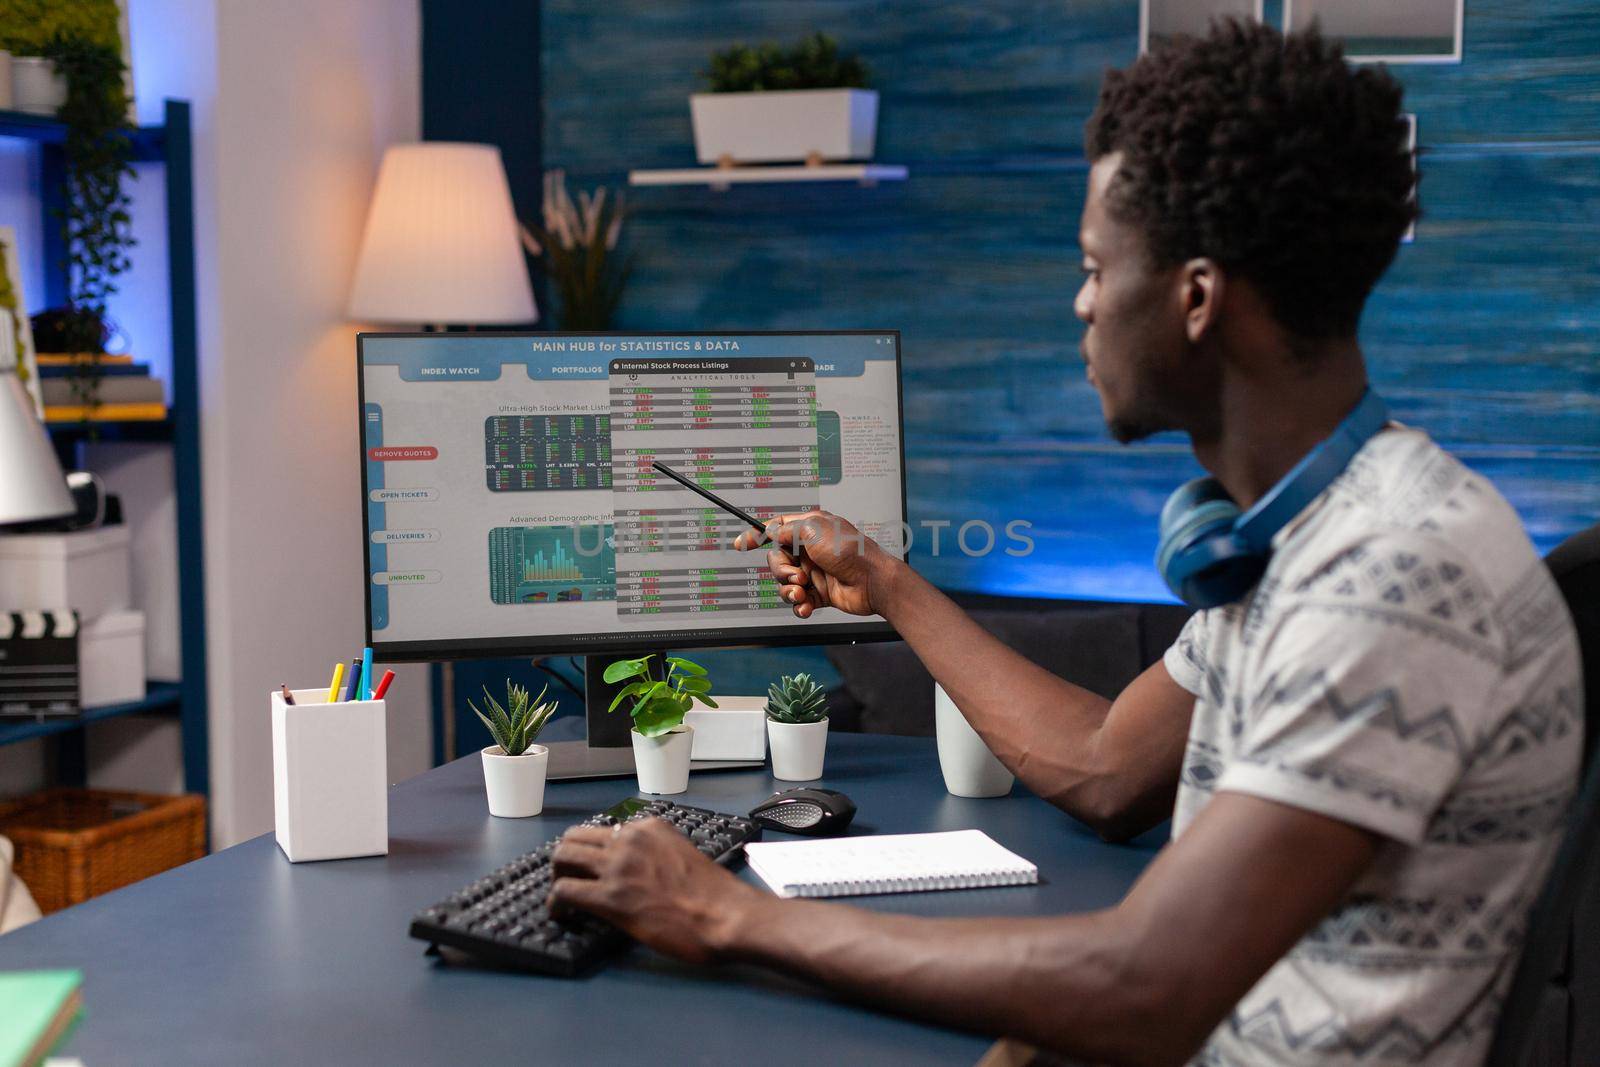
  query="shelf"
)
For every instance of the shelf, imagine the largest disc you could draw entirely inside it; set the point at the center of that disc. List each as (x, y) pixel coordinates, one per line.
(722, 177)
(149, 142)
(113, 430)
(159, 697)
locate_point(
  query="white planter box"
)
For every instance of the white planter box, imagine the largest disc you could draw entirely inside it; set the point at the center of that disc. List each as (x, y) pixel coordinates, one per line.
(735, 729)
(515, 784)
(798, 749)
(86, 571)
(330, 771)
(36, 86)
(969, 768)
(111, 659)
(785, 126)
(662, 762)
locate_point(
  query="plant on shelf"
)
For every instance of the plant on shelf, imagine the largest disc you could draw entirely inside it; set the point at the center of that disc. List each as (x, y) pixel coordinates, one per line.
(812, 63)
(514, 767)
(515, 726)
(96, 225)
(659, 705)
(662, 741)
(796, 699)
(577, 241)
(797, 727)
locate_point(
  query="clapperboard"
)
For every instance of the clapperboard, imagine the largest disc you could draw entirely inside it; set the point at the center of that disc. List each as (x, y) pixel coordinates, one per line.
(38, 663)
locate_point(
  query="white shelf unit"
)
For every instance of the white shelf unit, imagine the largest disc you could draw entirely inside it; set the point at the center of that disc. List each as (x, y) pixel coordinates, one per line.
(722, 177)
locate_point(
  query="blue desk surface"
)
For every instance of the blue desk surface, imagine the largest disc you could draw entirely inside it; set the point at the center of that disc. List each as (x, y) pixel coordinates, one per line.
(242, 957)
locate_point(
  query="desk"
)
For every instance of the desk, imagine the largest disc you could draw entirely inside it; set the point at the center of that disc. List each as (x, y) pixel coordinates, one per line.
(242, 957)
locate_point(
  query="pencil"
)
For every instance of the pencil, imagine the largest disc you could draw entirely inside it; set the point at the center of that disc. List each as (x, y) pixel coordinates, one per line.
(714, 498)
(338, 676)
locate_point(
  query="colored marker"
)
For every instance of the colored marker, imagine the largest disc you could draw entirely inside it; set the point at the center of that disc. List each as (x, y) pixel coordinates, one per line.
(333, 686)
(383, 685)
(364, 690)
(354, 680)
(288, 697)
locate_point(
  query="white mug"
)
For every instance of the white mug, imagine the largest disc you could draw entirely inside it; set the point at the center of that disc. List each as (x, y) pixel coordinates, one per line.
(970, 769)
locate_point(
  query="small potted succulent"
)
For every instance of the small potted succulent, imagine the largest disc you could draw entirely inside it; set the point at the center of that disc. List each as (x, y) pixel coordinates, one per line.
(662, 741)
(772, 105)
(514, 767)
(797, 728)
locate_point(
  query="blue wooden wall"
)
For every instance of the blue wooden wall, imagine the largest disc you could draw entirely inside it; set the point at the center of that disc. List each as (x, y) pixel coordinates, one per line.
(1484, 332)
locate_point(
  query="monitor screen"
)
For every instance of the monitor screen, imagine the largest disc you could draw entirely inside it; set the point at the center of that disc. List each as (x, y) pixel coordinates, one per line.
(511, 507)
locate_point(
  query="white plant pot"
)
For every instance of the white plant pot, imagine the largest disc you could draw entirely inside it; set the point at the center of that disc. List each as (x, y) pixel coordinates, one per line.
(662, 762)
(5, 80)
(36, 86)
(970, 769)
(784, 126)
(515, 784)
(798, 749)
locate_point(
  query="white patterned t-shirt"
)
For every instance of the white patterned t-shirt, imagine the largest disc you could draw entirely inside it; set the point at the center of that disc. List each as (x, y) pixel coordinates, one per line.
(1406, 665)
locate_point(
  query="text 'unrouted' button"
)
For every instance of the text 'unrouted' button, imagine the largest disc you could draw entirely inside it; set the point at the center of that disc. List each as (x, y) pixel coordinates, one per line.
(406, 578)
(402, 496)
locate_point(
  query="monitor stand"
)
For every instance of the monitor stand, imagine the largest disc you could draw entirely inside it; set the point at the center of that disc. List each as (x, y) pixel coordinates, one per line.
(608, 752)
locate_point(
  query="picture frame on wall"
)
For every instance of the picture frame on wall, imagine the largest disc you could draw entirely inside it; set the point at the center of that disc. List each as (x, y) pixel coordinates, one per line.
(1161, 20)
(13, 300)
(1382, 31)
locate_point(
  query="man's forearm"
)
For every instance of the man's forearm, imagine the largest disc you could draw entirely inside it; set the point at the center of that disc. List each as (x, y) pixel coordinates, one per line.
(1063, 983)
(1044, 728)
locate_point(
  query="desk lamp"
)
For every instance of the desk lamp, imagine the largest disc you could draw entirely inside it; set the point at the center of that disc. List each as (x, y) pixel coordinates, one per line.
(442, 248)
(32, 486)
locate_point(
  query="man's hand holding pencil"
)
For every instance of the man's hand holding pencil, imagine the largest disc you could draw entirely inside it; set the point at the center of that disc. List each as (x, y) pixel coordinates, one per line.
(820, 561)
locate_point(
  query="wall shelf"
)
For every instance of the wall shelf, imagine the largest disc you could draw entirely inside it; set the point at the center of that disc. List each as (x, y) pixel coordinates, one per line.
(159, 697)
(149, 142)
(722, 177)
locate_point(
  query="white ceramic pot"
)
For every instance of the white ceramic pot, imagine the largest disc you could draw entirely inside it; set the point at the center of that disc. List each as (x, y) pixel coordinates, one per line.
(798, 749)
(36, 86)
(5, 80)
(515, 784)
(662, 762)
(970, 769)
(784, 126)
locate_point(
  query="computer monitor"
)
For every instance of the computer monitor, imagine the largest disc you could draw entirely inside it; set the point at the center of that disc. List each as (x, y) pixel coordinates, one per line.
(510, 506)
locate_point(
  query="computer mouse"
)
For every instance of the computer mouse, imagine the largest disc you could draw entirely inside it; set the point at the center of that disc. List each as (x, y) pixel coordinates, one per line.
(807, 810)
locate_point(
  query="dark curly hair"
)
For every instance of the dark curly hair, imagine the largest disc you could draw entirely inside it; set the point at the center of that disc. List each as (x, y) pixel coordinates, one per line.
(1268, 154)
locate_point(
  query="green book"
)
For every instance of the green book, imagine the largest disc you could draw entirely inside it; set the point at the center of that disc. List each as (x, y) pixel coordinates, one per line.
(37, 1008)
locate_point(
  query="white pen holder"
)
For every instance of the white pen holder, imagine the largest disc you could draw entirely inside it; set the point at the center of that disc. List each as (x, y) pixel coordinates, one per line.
(330, 772)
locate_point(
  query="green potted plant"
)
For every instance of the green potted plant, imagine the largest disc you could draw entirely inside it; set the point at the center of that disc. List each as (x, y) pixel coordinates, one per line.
(769, 104)
(514, 767)
(662, 741)
(797, 728)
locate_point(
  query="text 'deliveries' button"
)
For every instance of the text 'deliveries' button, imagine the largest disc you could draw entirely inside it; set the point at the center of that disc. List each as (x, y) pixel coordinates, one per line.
(391, 453)
(401, 537)
(407, 578)
(402, 496)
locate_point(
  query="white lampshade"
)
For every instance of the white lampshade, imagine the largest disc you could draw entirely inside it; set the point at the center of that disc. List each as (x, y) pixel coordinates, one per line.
(31, 483)
(442, 243)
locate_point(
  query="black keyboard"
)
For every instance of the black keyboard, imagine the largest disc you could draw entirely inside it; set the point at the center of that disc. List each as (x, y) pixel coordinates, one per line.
(502, 918)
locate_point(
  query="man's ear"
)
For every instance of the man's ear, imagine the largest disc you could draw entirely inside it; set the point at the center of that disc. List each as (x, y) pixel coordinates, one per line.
(1201, 285)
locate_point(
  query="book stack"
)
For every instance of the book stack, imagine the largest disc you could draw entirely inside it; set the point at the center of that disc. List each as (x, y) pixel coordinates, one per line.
(126, 391)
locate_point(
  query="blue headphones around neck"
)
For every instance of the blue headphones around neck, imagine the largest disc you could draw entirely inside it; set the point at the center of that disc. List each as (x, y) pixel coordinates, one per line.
(1212, 554)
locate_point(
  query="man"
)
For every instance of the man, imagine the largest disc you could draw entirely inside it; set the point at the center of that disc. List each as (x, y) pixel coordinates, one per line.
(1371, 751)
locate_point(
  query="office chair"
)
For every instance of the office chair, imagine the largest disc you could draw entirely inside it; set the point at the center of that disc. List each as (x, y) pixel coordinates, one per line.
(1548, 1019)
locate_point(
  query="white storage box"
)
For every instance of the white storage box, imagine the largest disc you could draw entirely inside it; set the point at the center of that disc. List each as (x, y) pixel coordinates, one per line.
(784, 126)
(330, 771)
(85, 570)
(735, 729)
(111, 659)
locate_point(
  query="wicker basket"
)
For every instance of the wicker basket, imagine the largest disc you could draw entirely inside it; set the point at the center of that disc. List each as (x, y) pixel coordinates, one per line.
(73, 844)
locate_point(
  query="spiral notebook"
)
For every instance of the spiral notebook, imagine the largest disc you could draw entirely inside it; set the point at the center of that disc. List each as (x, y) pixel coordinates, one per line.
(891, 863)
